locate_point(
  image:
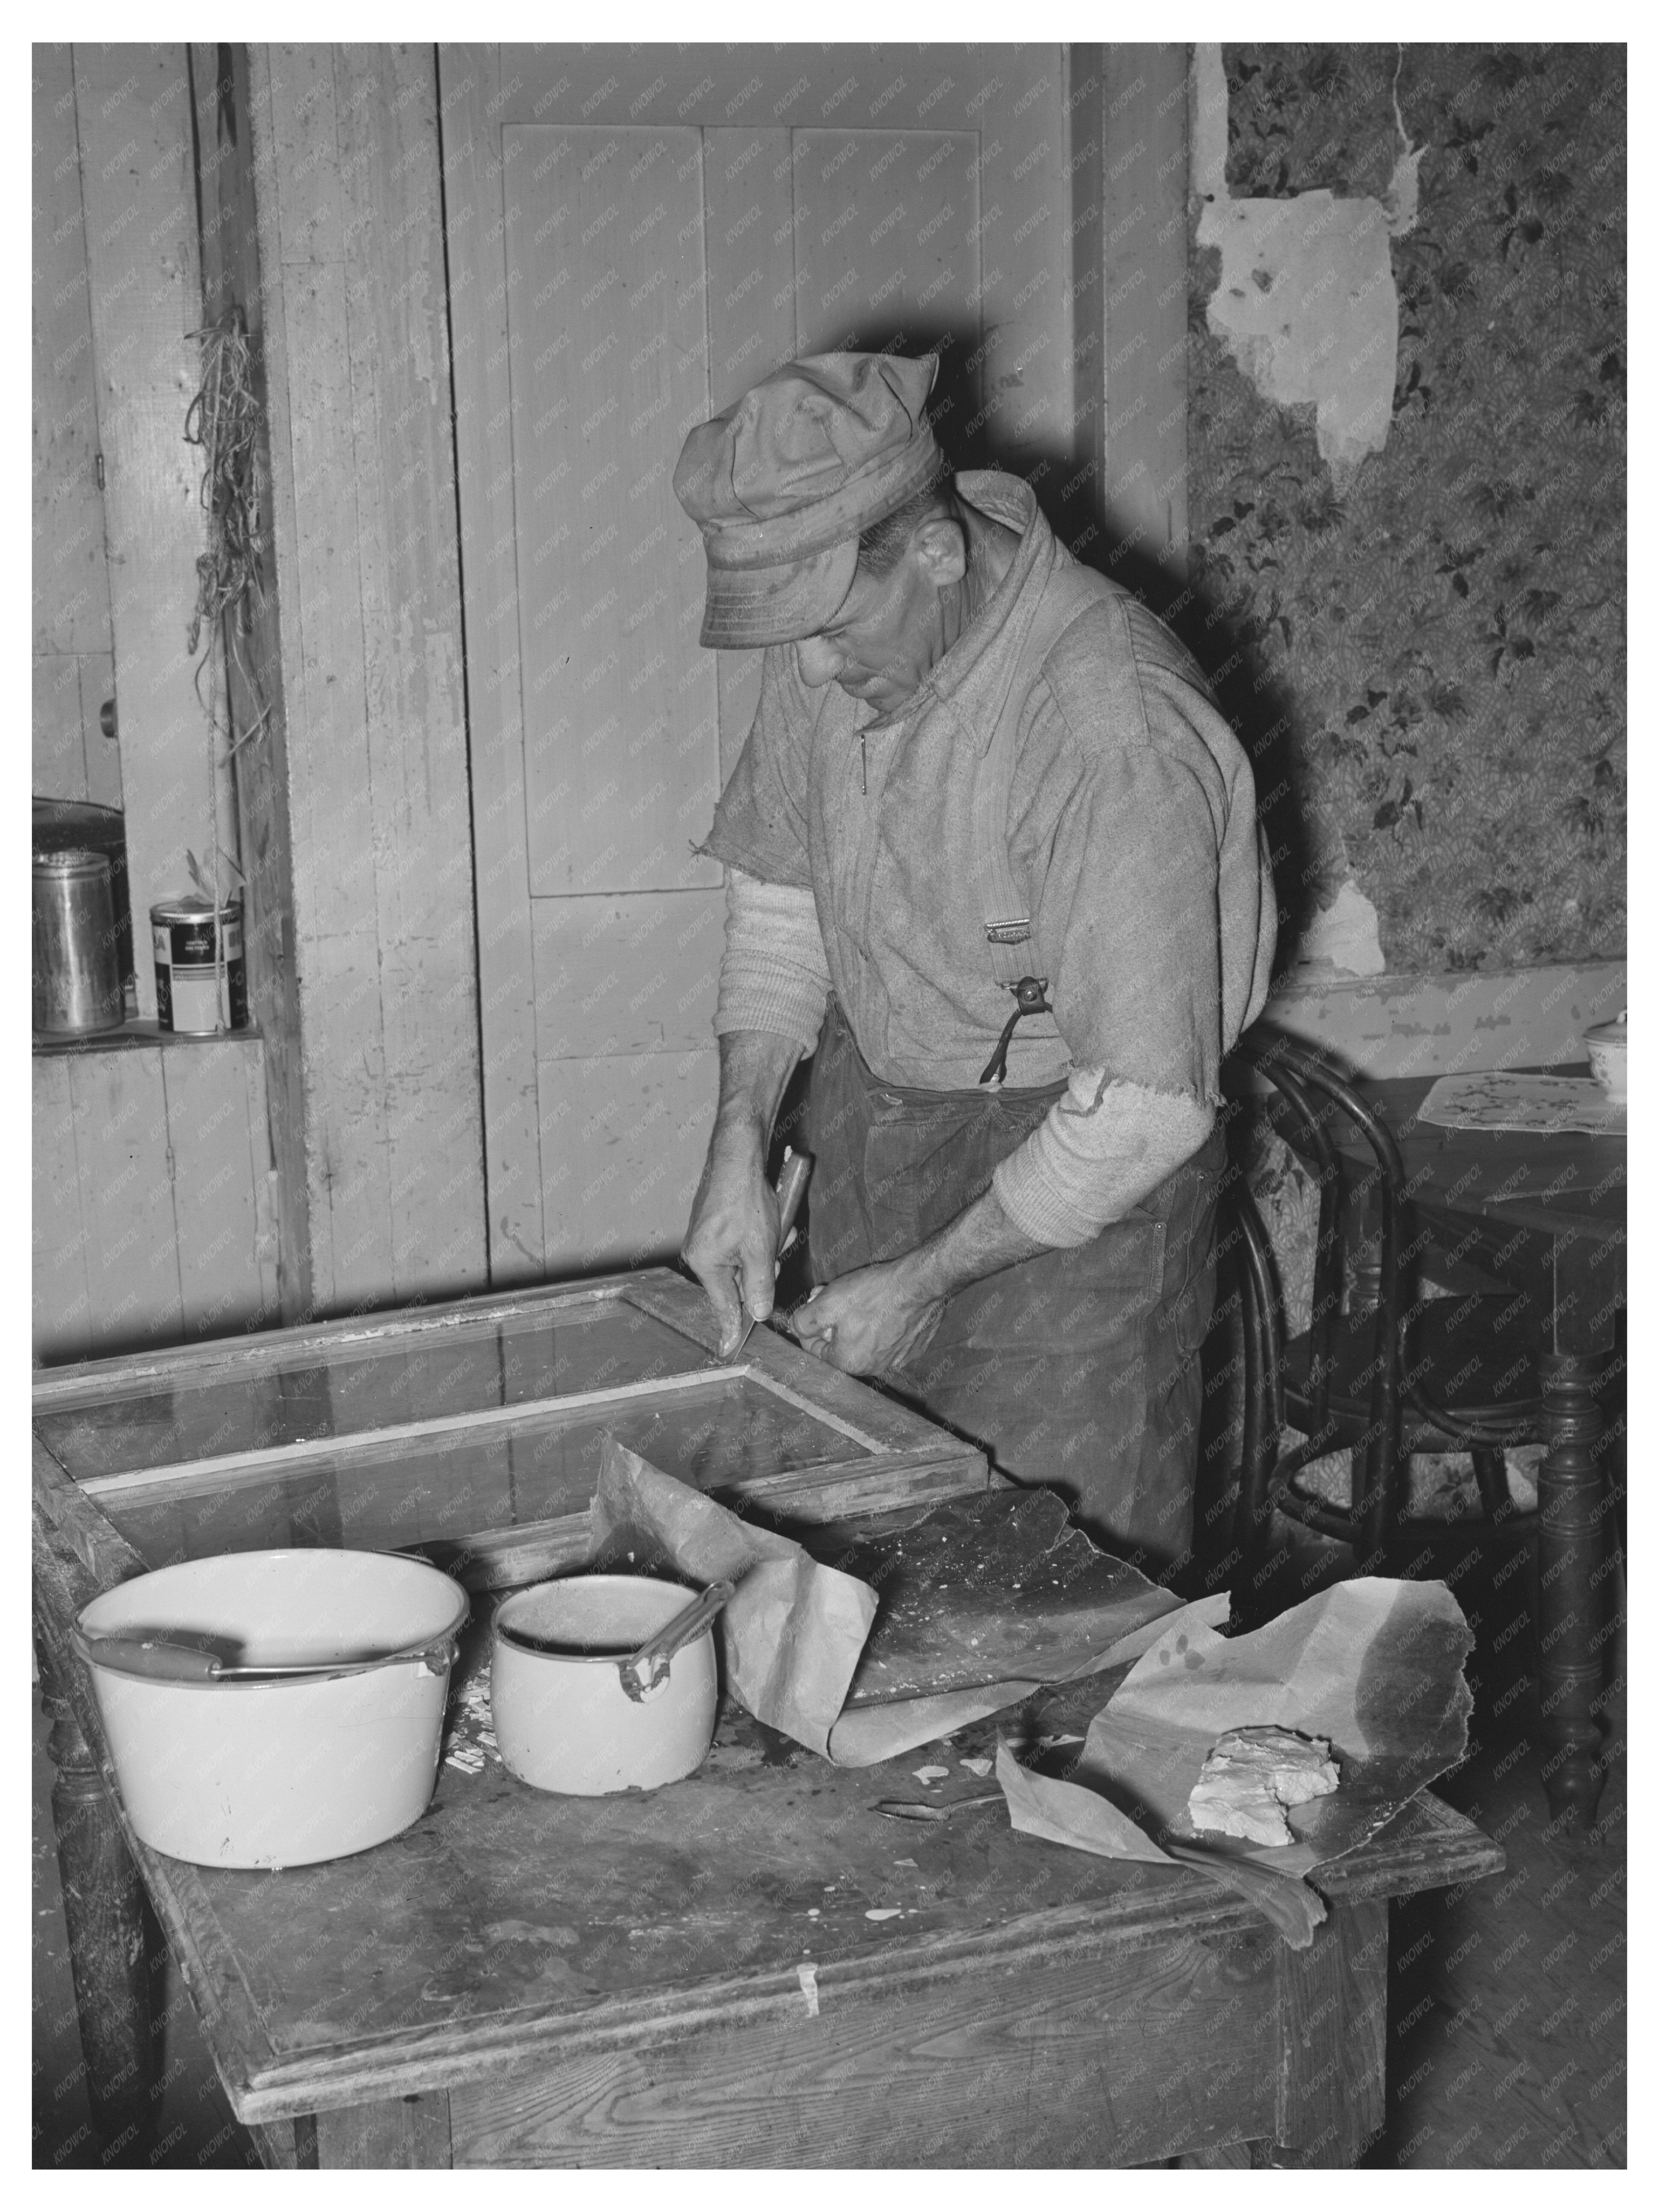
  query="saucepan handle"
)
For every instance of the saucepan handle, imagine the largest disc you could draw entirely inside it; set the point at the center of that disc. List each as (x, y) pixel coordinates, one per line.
(646, 1670)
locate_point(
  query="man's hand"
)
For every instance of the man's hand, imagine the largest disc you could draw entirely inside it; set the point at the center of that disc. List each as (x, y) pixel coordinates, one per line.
(869, 1322)
(874, 1320)
(731, 1245)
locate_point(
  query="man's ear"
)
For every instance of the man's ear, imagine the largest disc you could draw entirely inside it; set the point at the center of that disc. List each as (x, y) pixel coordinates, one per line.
(941, 550)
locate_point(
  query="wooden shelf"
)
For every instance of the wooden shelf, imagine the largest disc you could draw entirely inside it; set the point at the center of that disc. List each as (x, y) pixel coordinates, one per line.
(132, 1034)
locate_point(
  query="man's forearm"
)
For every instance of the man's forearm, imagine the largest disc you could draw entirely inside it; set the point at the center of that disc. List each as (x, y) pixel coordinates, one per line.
(754, 1067)
(875, 1320)
(980, 1241)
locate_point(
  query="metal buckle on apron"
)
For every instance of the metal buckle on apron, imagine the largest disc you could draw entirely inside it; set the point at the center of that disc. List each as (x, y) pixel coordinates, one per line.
(1031, 997)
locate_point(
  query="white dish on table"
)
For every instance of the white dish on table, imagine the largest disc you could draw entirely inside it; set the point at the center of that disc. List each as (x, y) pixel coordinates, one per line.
(1606, 1045)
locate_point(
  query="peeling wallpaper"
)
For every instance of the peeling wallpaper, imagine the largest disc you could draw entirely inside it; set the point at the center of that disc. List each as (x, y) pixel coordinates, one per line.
(1424, 644)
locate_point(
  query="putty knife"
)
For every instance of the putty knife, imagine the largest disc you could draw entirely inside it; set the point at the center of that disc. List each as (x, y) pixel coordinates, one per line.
(791, 1188)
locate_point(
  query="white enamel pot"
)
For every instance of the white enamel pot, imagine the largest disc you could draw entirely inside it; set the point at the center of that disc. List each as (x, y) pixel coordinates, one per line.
(564, 1720)
(287, 1769)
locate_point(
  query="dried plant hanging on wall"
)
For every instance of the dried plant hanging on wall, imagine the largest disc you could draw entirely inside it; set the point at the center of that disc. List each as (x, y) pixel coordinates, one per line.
(223, 420)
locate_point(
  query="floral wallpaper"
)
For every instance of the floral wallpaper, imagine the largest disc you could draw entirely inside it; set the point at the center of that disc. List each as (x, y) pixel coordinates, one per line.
(1430, 663)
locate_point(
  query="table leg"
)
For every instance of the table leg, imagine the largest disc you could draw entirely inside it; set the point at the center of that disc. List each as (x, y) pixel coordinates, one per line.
(109, 1938)
(1570, 1495)
(399, 2132)
(1332, 2023)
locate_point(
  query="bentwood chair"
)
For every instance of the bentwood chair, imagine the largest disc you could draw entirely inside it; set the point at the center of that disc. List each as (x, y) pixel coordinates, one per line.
(1380, 1372)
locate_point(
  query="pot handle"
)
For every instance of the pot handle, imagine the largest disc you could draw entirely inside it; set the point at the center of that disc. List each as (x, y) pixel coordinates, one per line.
(155, 1660)
(646, 1671)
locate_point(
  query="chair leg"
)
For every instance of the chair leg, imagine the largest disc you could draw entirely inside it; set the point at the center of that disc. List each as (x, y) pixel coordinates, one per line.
(1492, 1479)
(1375, 1491)
(1252, 1529)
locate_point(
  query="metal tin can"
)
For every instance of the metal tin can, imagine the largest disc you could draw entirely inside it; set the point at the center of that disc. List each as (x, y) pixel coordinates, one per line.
(80, 825)
(189, 961)
(77, 970)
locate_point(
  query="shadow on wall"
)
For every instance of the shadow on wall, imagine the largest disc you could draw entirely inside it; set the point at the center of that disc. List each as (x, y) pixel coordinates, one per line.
(1255, 698)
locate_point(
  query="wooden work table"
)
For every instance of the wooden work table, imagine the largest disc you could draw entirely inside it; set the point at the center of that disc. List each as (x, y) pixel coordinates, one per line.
(752, 1967)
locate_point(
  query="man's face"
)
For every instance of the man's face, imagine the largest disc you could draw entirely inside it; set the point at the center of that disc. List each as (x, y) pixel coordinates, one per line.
(889, 631)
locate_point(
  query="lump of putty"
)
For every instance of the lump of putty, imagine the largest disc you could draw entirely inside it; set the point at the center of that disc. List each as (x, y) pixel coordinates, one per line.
(1250, 1777)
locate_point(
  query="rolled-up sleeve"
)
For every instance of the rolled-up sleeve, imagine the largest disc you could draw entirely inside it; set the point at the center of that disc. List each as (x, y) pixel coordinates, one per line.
(773, 975)
(1103, 1147)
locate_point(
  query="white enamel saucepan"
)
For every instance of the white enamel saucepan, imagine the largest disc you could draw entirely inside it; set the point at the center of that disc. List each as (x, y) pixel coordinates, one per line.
(604, 1683)
(271, 1708)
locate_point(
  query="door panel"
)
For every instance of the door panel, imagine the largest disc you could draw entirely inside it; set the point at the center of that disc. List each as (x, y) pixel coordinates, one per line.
(887, 229)
(623, 1140)
(751, 257)
(749, 198)
(621, 755)
(637, 236)
(626, 974)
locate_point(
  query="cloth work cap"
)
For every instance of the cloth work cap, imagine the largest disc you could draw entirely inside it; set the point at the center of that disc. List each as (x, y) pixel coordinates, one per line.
(782, 482)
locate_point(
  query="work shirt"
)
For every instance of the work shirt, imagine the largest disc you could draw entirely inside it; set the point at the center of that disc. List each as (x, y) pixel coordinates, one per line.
(1131, 834)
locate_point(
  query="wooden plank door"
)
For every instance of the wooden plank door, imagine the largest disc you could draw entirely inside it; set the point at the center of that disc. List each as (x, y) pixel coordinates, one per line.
(636, 236)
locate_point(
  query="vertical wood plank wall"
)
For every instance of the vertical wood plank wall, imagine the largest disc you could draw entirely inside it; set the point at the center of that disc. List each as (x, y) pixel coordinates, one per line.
(345, 165)
(152, 1216)
(153, 1219)
(139, 191)
(73, 658)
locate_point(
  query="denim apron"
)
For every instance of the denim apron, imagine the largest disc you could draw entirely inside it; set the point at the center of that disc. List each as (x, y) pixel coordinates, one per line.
(1077, 1367)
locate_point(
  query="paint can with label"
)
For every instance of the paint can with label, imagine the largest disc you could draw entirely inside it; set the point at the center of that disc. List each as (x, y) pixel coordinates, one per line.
(190, 961)
(77, 971)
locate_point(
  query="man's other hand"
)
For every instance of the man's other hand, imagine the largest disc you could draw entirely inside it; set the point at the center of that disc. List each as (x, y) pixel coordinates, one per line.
(869, 1322)
(876, 1319)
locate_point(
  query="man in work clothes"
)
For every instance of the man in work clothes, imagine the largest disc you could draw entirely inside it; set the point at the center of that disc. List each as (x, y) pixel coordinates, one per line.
(992, 856)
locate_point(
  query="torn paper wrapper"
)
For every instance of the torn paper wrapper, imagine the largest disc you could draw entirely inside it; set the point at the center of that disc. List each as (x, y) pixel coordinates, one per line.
(1374, 1666)
(793, 1637)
